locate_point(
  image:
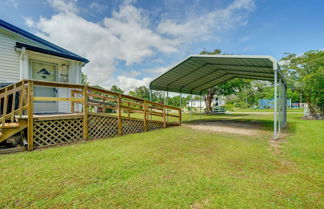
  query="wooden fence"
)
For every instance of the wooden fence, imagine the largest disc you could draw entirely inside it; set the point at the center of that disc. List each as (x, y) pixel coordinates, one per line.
(94, 113)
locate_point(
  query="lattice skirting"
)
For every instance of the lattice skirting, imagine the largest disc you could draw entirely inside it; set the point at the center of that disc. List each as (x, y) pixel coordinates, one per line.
(132, 126)
(152, 125)
(52, 132)
(102, 126)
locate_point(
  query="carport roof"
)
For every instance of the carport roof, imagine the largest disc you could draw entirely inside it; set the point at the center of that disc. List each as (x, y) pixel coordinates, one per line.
(200, 72)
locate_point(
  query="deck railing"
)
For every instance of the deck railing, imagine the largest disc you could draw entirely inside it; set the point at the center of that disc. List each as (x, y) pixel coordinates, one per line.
(86, 101)
(13, 102)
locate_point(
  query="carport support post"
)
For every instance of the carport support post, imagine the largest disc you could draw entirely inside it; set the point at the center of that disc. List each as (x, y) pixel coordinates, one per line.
(167, 103)
(281, 103)
(180, 100)
(275, 106)
(190, 106)
(285, 107)
(280, 106)
(200, 106)
(150, 109)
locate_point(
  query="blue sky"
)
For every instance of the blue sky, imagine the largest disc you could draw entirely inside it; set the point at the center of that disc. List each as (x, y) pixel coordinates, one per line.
(129, 42)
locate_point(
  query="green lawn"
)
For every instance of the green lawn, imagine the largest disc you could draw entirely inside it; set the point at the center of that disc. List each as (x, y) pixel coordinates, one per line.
(173, 168)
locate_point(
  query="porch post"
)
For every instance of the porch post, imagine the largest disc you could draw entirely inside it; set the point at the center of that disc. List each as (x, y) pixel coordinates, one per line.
(85, 112)
(30, 122)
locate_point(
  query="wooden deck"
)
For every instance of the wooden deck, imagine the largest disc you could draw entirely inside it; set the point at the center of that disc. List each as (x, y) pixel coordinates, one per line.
(95, 113)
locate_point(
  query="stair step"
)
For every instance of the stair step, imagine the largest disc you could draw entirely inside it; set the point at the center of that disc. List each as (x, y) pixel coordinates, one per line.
(10, 125)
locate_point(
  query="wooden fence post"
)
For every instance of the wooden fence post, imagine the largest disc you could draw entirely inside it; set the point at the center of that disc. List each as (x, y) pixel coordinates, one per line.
(180, 117)
(21, 98)
(85, 113)
(30, 129)
(120, 125)
(145, 121)
(128, 111)
(13, 104)
(103, 105)
(72, 103)
(5, 107)
(164, 117)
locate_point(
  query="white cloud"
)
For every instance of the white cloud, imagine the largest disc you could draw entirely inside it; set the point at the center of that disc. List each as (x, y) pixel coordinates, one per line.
(97, 7)
(158, 70)
(128, 36)
(67, 6)
(128, 83)
(124, 36)
(209, 23)
(13, 3)
(29, 22)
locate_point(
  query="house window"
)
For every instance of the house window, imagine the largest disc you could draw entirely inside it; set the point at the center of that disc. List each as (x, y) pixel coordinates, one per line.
(64, 75)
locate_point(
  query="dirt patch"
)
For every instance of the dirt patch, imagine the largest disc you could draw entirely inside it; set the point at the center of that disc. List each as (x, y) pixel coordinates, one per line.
(198, 205)
(275, 145)
(228, 126)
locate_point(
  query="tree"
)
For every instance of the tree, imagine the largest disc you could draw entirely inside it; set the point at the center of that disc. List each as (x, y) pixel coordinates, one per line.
(305, 75)
(84, 79)
(141, 92)
(222, 89)
(216, 51)
(116, 89)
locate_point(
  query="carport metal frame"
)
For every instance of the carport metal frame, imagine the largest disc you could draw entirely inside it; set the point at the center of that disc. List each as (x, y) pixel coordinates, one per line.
(220, 73)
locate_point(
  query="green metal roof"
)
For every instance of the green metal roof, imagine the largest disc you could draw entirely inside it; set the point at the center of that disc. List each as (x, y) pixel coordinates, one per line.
(200, 72)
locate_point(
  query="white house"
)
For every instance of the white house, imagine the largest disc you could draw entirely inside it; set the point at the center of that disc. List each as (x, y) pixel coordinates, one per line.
(26, 56)
(218, 101)
(196, 104)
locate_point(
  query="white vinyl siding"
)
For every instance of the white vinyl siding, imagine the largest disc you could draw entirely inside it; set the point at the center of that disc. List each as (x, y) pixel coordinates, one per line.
(9, 60)
(74, 71)
(63, 107)
(13, 69)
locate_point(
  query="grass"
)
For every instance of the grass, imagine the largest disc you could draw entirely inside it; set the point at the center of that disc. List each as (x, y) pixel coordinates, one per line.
(173, 168)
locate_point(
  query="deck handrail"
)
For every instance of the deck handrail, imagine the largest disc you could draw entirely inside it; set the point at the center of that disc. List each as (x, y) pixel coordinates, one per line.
(80, 86)
(89, 97)
(8, 96)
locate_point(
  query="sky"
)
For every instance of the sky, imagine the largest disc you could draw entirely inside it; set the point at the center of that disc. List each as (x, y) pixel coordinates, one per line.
(131, 42)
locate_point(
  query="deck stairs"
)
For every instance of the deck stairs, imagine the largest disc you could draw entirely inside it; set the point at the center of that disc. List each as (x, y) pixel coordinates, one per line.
(12, 104)
(9, 129)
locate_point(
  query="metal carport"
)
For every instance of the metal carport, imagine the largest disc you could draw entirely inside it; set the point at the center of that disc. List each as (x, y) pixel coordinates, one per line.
(201, 72)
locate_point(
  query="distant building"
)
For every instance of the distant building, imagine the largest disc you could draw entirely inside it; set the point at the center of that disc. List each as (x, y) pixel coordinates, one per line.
(219, 101)
(268, 103)
(196, 104)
